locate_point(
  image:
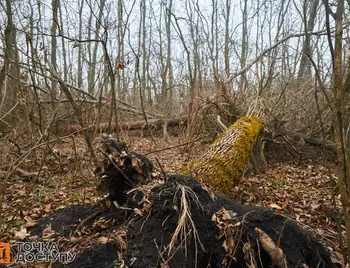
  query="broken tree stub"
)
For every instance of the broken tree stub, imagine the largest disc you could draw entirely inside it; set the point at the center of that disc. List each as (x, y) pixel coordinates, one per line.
(223, 164)
(122, 170)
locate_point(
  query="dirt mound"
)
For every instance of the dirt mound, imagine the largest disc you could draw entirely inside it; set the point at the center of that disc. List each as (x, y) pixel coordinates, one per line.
(150, 238)
(179, 230)
(174, 221)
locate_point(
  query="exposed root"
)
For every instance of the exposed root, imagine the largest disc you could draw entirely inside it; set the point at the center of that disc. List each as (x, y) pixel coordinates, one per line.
(231, 228)
(186, 225)
(270, 247)
(249, 255)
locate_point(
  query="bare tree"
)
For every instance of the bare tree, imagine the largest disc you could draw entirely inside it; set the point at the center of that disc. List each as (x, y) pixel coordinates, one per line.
(80, 48)
(244, 49)
(8, 93)
(339, 97)
(54, 4)
(227, 16)
(309, 23)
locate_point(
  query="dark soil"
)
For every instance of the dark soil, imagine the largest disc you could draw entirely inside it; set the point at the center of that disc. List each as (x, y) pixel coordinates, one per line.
(298, 245)
(64, 220)
(148, 236)
(102, 255)
(152, 213)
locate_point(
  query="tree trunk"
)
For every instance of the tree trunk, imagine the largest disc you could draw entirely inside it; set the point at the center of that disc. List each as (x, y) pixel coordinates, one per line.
(54, 5)
(64, 53)
(93, 54)
(169, 74)
(8, 89)
(80, 48)
(222, 165)
(305, 66)
(339, 105)
(227, 37)
(153, 124)
(244, 49)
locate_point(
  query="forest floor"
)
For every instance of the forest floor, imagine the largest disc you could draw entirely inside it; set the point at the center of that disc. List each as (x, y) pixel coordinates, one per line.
(300, 187)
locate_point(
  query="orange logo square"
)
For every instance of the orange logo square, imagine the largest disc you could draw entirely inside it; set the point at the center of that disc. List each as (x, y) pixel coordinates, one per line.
(5, 250)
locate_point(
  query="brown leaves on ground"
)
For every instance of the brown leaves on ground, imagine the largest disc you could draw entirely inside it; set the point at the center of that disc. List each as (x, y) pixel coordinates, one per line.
(301, 189)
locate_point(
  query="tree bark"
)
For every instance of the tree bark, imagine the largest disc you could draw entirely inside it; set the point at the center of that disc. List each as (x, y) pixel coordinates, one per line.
(153, 123)
(8, 94)
(244, 49)
(80, 49)
(305, 66)
(54, 5)
(222, 165)
(339, 95)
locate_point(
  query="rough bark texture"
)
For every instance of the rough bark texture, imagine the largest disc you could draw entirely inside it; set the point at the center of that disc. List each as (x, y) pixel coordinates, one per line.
(222, 165)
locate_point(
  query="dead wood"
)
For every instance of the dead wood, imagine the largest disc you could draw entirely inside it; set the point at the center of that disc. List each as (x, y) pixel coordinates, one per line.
(314, 141)
(223, 164)
(153, 124)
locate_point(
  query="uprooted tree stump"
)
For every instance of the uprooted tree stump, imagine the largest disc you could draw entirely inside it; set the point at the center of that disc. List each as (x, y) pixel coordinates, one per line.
(122, 170)
(223, 164)
(176, 222)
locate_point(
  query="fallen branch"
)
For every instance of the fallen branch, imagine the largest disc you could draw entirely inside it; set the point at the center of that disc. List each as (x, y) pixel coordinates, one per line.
(314, 141)
(153, 124)
(264, 52)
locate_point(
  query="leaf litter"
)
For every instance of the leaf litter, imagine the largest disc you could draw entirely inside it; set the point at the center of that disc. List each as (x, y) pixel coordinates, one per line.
(301, 189)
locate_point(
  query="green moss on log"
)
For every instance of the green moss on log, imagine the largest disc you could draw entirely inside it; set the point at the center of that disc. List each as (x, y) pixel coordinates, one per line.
(222, 165)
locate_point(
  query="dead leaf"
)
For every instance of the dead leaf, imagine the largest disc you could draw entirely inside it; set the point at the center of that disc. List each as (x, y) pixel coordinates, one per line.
(73, 239)
(119, 241)
(21, 234)
(275, 206)
(136, 163)
(31, 224)
(285, 204)
(102, 240)
(298, 210)
(49, 233)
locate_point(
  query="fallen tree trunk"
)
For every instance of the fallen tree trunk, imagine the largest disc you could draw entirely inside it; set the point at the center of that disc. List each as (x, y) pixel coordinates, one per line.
(153, 124)
(223, 164)
(314, 141)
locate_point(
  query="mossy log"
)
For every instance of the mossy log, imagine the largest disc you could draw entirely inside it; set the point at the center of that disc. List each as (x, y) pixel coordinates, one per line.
(223, 164)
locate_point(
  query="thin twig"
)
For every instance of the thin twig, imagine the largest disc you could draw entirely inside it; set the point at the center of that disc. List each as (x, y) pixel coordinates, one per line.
(175, 146)
(163, 172)
(9, 111)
